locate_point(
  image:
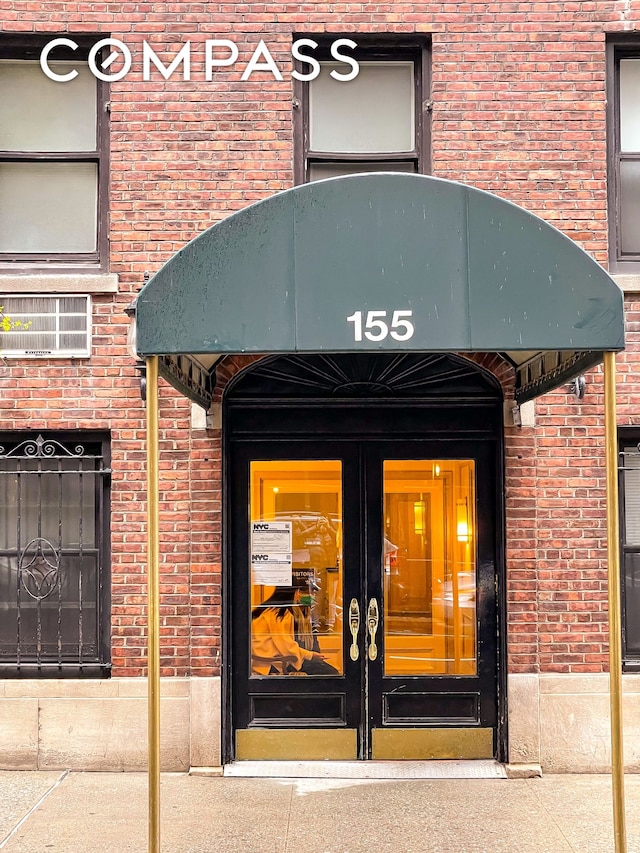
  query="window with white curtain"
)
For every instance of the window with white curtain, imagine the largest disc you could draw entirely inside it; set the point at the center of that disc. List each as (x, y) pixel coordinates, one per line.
(624, 136)
(53, 158)
(377, 122)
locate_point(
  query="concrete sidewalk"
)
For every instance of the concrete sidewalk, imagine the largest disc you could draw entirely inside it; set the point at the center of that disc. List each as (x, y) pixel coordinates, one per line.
(96, 812)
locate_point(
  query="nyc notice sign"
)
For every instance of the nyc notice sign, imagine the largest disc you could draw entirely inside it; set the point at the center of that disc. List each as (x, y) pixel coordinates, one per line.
(271, 553)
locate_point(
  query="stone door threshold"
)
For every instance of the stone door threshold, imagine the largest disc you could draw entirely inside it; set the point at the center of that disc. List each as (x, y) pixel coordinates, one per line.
(479, 769)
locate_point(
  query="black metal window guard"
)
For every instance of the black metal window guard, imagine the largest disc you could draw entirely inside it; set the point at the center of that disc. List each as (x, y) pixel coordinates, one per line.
(54, 556)
(629, 480)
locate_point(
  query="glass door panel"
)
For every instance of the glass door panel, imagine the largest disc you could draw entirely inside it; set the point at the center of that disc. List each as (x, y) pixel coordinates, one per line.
(429, 567)
(296, 568)
(363, 600)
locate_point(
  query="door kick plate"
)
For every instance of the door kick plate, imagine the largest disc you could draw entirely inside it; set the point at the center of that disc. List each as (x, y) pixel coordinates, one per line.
(431, 744)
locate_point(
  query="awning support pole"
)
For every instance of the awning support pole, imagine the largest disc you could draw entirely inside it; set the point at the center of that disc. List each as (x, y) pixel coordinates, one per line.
(615, 630)
(153, 605)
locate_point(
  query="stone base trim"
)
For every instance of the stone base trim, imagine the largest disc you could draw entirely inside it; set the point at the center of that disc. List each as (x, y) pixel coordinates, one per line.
(561, 722)
(206, 771)
(557, 723)
(102, 724)
(523, 771)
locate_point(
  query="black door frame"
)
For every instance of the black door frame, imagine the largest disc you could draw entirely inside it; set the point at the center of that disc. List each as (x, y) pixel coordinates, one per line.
(262, 420)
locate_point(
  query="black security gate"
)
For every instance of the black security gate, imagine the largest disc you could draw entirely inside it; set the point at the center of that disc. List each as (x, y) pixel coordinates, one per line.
(54, 498)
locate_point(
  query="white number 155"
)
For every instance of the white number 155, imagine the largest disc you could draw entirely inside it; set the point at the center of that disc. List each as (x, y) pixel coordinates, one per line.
(376, 327)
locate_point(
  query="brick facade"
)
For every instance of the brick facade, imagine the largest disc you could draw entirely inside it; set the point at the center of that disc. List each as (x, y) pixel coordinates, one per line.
(518, 95)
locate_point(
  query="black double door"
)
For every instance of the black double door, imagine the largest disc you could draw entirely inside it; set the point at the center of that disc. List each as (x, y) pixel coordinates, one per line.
(381, 558)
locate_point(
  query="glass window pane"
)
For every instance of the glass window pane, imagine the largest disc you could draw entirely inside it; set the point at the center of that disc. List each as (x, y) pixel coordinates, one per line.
(73, 343)
(429, 559)
(8, 507)
(28, 342)
(73, 324)
(296, 568)
(46, 328)
(630, 206)
(39, 114)
(37, 323)
(631, 496)
(26, 307)
(58, 505)
(73, 304)
(631, 568)
(63, 625)
(373, 113)
(629, 105)
(48, 207)
(319, 170)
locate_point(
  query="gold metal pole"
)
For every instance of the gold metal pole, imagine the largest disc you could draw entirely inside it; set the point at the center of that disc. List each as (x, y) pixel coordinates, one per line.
(153, 605)
(615, 631)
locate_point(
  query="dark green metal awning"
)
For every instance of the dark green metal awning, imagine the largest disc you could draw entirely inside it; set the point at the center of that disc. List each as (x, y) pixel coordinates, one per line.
(329, 266)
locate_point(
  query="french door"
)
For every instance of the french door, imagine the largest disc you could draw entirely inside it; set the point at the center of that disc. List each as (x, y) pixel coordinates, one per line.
(363, 591)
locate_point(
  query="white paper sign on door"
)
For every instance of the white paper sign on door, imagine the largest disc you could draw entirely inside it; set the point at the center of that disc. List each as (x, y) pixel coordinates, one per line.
(271, 569)
(270, 537)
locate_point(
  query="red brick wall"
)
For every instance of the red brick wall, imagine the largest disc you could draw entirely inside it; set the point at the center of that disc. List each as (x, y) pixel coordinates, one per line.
(571, 559)
(556, 555)
(519, 109)
(521, 549)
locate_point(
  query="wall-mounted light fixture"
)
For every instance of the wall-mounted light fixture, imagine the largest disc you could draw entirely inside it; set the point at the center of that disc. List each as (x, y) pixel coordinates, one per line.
(418, 517)
(578, 386)
(463, 531)
(140, 366)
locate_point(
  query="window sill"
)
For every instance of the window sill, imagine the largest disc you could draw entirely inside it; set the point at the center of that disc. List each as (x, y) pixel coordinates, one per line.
(627, 282)
(60, 283)
(55, 671)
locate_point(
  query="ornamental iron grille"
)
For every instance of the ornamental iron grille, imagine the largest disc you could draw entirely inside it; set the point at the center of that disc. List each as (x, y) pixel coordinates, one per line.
(54, 512)
(629, 479)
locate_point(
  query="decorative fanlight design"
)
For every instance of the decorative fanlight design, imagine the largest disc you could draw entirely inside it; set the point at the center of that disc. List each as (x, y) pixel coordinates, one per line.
(363, 375)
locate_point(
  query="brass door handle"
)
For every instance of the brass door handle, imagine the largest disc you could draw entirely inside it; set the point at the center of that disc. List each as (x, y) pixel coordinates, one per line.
(373, 618)
(354, 627)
